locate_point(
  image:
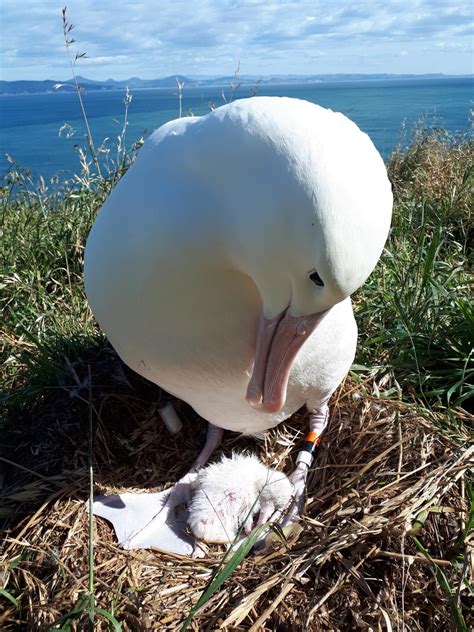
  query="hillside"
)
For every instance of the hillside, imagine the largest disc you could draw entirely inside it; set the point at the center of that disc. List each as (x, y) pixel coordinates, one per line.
(386, 537)
(37, 87)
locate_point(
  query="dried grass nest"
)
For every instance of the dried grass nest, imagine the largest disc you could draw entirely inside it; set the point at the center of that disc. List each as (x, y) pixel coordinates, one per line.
(387, 471)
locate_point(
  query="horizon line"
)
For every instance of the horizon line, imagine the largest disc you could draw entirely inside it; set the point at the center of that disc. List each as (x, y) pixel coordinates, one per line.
(260, 76)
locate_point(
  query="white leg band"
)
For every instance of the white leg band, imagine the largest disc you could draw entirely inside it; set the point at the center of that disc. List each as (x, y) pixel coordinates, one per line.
(304, 457)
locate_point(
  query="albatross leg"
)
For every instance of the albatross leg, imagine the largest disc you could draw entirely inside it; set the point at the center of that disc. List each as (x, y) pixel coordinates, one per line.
(213, 441)
(318, 421)
(158, 519)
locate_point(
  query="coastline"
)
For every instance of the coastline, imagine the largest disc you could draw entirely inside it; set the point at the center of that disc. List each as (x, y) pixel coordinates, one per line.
(67, 87)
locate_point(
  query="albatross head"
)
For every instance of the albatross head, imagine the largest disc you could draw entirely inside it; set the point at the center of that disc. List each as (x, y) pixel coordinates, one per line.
(311, 219)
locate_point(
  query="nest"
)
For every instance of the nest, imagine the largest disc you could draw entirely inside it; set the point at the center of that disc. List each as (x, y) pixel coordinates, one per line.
(387, 472)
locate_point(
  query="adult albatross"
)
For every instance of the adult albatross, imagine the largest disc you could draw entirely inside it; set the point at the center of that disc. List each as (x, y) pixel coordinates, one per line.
(221, 266)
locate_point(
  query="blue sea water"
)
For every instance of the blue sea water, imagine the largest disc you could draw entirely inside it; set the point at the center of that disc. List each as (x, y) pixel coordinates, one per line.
(386, 110)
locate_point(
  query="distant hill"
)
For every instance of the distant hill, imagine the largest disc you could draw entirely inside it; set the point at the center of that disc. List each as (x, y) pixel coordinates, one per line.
(135, 82)
(20, 87)
(327, 78)
(37, 87)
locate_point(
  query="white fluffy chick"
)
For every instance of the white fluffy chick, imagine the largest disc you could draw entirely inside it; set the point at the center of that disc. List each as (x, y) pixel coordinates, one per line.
(230, 492)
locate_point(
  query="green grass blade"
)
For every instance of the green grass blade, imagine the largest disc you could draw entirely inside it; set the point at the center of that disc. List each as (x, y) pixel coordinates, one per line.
(91, 501)
(430, 257)
(7, 595)
(470, 522)
(227, 570)
(443, 582)
(115, 625)
(78, 609)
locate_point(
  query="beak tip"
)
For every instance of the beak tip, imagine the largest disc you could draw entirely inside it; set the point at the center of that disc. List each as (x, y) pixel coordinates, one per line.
(271, 407)
(254, 397)
(265, 406)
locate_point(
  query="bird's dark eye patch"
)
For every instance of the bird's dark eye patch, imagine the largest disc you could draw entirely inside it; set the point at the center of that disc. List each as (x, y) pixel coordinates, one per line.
(316, 279)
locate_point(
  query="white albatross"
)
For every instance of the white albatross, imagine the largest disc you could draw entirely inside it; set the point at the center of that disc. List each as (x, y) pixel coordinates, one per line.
(221, 265)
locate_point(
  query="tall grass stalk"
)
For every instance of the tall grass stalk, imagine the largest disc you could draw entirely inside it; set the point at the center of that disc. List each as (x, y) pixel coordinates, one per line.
(91, 502)
(68, 40)
(180, 85)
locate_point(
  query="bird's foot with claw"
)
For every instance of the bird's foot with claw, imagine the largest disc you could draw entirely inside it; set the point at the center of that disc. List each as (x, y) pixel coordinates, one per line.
(286, 521)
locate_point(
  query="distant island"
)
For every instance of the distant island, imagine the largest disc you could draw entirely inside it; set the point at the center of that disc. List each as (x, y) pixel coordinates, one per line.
(48, 86)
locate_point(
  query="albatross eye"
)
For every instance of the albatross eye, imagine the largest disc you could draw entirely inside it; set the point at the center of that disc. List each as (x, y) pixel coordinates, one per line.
(316, 279)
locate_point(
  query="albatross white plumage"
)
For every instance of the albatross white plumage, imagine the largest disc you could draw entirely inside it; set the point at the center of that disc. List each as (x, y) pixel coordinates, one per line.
(221, 265)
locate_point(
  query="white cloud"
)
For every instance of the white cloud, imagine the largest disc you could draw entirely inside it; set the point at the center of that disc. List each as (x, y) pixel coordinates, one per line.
(105, 59)
(151, 38)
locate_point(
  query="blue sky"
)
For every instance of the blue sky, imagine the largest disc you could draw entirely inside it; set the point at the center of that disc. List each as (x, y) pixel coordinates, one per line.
(157, 38)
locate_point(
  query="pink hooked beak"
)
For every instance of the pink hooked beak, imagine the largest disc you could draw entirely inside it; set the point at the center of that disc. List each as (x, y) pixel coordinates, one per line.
(278, 341)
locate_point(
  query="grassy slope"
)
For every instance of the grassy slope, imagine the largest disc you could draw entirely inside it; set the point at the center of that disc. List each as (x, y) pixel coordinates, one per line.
(415, 319)
(414, 316)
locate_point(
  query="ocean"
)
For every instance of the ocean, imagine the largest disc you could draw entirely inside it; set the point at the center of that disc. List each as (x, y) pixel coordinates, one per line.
(386, 110)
